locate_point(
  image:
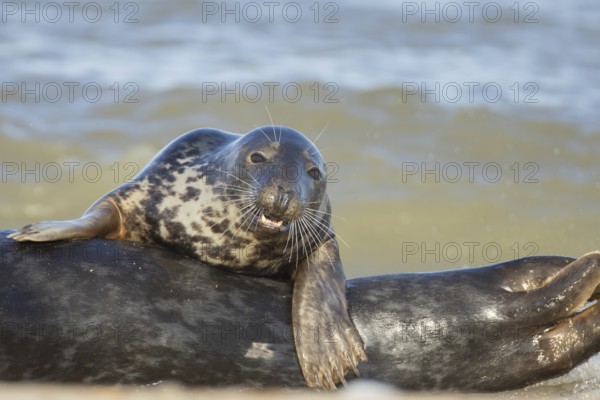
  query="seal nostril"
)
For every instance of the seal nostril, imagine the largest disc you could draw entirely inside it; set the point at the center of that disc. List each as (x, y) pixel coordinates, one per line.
(282, 200)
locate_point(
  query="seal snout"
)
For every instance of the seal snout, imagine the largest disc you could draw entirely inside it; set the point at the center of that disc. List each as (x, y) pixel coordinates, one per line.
(282, 200)
(278, 206)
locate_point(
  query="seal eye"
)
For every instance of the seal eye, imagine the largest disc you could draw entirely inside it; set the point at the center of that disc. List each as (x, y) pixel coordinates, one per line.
(314, 173)
(257, 158)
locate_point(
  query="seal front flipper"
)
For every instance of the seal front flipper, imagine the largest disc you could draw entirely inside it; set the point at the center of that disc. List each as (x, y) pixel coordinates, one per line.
(327, 343)
(101, 220)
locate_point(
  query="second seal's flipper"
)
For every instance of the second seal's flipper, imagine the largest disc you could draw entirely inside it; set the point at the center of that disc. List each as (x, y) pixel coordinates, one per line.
(561, 295)
(101, 220)
(533, 272)
(568, 343)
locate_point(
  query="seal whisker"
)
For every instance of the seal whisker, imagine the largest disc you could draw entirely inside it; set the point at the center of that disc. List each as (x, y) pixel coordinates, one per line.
(238, 200)
(256, 214)
(313, 202)
(264, 133)
(246, 191)
(314, 211)
(291, 242)
(242, 207)
(259, 212)
(237, 197)
(309, 236)
(247, 208)
(270, 119)
(295, 244)
(308, 227)
(247, 187)
(318, 221)
(314, 234)
(300, 229)
(319, 150)
(329, 259)
(304, 226)
(319, 214)
(242, 219)
(326, 230)
(240, 179)
(318, 136)
(242, 203)
(288, 239)
(238, 193)
(317, 211)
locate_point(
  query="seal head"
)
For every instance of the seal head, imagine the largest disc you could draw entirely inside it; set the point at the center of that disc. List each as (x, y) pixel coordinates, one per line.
(278, 185)
(281, 175)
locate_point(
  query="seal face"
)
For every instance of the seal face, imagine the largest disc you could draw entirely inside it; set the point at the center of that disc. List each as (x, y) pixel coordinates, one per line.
(254, 204)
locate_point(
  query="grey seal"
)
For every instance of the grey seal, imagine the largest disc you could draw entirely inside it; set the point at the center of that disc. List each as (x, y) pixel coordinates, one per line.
(120, 312)
(253, 204)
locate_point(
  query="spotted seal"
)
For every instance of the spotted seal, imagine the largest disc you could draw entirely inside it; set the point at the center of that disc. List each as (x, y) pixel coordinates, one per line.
(253, 204)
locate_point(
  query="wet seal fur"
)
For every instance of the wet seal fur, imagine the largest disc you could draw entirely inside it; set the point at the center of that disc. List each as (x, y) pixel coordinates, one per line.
(118, 312)
(253, 204)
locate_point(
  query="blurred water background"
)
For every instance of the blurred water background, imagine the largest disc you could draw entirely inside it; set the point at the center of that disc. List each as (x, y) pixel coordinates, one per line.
(458, 134)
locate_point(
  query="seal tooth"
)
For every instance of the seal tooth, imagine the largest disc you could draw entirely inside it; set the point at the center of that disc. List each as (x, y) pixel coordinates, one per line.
(271, 223)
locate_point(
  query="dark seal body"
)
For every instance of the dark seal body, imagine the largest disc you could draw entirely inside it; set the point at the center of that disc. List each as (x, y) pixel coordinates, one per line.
(104, 311)
(253, 204)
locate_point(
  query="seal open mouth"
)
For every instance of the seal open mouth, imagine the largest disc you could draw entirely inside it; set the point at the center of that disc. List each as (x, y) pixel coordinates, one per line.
(270, 222)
